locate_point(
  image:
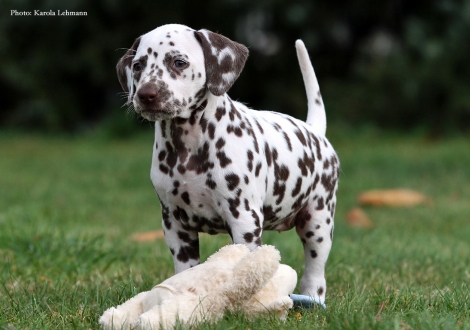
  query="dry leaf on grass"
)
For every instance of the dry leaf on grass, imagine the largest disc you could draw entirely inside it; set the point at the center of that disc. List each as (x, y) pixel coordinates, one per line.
(357, 218)
(148, 236)
(392, 197)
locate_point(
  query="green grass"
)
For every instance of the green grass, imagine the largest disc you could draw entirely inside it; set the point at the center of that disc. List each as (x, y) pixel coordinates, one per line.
(68, 207)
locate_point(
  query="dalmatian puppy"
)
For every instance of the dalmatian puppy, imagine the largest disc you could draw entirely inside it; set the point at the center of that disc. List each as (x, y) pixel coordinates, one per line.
(220, 167)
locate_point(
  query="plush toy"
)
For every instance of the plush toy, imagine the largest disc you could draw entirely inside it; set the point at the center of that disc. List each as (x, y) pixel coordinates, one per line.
(233, 279)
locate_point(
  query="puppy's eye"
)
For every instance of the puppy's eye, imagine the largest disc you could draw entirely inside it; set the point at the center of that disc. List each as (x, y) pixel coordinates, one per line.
(137, 67)
(179, 64)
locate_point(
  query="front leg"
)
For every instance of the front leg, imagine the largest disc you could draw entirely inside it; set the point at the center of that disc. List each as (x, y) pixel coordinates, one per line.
(183, 244)
(244, 221)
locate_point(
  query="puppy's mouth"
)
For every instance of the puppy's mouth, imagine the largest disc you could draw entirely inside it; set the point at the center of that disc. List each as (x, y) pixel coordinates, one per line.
(154, 114)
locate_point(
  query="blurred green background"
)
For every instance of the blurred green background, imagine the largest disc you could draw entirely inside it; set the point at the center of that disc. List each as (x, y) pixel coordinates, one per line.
(392, 64)
(74, 166)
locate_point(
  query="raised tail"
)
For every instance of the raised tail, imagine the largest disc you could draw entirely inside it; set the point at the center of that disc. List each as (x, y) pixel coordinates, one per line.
(316, 116)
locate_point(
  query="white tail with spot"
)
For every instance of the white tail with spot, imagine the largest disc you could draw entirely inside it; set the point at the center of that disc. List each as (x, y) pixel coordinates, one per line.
(316, 116)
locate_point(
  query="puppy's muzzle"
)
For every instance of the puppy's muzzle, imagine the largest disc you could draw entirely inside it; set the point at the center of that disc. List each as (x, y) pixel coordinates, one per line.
(153, 101)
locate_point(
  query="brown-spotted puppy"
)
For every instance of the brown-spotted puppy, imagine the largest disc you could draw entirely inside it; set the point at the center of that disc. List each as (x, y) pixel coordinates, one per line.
(220, 167)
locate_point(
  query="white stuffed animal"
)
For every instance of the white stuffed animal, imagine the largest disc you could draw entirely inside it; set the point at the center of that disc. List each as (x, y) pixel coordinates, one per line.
(233, 279)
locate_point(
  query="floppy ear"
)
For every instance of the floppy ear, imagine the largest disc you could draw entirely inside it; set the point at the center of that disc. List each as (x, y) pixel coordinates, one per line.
(224, 60)
(124, 70)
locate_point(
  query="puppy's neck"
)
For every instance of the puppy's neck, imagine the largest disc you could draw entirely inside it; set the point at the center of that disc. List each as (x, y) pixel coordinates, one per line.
(187, 135)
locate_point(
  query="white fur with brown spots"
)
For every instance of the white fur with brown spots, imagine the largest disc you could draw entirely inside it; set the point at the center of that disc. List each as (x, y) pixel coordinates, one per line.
(220, 167)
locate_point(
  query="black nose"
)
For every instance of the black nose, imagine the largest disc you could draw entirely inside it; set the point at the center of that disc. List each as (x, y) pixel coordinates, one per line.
(147, 94)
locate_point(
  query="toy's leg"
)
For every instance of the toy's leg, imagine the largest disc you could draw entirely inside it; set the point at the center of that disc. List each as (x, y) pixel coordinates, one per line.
(159, 316)
(315, 229)
(280, 307)
(123, 316)
(274, 297)
(251, 274)
(169, 313)
(155, 297)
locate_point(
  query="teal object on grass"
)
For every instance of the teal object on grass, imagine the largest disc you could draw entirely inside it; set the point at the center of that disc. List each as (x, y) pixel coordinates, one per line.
(306, 302)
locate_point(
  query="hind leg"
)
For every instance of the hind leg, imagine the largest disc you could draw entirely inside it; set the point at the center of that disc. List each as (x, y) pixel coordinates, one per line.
(314, 225)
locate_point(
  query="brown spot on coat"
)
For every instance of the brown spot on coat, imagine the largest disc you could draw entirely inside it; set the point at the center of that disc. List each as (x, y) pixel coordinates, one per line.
(185, 197)
(259, 127)
(256, 217)
(320, 204)
(200, 162)
(289, 145)
(189, 252)
(233, 205)
(267, 152)
(166, 216)
(248, 237)
(220, 143)
(302, 217)
(211, 131)
(209, 182)
(250, 160)
(223, 159)
(298, 186)
(257, 169)
(301, 137)
(232, 181)
(176, 184)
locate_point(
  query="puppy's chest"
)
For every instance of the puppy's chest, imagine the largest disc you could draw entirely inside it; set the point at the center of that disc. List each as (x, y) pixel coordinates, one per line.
(190, 162)
(178, 186)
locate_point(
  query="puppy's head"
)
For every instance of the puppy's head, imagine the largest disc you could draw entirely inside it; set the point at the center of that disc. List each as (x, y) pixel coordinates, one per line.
(170, 71)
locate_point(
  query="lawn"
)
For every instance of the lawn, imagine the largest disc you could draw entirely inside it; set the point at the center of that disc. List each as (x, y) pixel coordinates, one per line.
(69, 207)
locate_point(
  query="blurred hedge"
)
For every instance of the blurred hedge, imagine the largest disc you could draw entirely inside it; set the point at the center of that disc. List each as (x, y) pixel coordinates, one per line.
(397, 64)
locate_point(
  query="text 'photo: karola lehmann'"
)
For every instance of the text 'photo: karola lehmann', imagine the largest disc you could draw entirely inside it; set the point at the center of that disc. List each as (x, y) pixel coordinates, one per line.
(38, 12)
